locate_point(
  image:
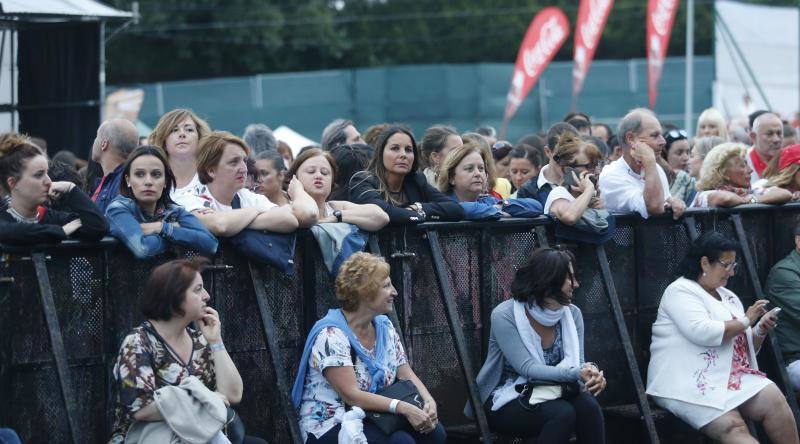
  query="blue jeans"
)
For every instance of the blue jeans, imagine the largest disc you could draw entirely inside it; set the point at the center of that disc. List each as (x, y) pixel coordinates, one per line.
(376, 436)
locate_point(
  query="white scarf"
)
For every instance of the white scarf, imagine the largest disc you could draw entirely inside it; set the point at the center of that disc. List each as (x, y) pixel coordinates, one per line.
(533, 343)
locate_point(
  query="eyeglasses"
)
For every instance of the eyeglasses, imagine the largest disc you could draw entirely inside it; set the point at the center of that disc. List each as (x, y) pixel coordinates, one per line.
(729, 266)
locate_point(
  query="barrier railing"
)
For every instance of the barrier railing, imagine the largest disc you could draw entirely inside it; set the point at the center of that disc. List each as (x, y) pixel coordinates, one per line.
(64, 310)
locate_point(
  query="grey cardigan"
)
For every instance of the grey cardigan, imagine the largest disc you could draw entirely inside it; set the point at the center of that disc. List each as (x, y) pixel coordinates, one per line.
(506, 347)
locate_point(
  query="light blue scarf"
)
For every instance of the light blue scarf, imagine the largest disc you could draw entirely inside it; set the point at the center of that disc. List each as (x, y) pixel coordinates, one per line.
(376, 367)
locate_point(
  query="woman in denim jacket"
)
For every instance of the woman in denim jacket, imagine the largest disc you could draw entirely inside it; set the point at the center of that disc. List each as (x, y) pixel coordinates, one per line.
(143, 216)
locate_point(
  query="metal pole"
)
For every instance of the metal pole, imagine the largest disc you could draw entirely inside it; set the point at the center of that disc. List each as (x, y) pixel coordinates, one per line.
(459, 341)
(57, 346)
(689, 93)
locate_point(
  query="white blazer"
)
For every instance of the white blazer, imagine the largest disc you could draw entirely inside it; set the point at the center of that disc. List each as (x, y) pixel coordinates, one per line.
(688, 359)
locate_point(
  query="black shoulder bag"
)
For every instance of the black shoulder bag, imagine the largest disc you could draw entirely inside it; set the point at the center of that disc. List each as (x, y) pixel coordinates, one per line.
(234, 427)
(402, 390)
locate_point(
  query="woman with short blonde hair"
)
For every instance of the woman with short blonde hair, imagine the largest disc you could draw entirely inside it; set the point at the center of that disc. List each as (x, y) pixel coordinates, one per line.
(711, 123)
(725, 180)
(178, 133)
(351, 355)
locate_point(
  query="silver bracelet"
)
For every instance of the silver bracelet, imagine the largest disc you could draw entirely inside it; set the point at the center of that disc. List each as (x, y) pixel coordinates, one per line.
(759, 331)
(217, 347)
(393, 405)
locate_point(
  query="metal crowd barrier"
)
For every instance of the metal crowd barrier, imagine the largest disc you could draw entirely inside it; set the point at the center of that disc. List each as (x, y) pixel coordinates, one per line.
(64, 310)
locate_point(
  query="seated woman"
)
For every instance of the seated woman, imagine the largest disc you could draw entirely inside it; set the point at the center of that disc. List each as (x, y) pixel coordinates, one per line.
(144, 218)
(725, 181)
(271, 176)
(178, 133)
(675, 156)
(164, 350)
(536, 340)
(354, 352)
(316, 170)
(436, 143)
(393, 183)
(465, 175)
(25, 218)
(222, 203)
(782, 172)
(703, 364)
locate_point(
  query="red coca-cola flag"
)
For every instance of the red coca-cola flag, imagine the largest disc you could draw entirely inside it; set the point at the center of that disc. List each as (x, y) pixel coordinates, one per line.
(660, 17)
(545, 35)
(592, 16)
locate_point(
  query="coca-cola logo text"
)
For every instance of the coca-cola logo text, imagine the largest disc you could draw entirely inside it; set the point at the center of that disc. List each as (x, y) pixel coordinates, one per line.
(550, 38)
(662, 15)
(590, 31)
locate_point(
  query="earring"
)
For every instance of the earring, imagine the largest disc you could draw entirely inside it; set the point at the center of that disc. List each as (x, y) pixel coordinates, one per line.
(705, 274)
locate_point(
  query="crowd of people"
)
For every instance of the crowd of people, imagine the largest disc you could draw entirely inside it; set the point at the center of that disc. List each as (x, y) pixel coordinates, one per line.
(189, 185)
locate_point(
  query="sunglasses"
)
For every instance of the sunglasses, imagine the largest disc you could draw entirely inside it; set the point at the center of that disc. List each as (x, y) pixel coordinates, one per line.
(500, 144)
(677, 134)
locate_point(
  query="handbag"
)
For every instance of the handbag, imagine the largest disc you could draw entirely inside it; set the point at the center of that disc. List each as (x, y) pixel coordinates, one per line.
(533, 393)
(402, 390)
(234, 426)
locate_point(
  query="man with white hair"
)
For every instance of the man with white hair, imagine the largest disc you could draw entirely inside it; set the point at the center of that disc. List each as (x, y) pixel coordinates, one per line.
(340, 132)
(259, 138)
(116, 139)
(767, 138)
(635, 182)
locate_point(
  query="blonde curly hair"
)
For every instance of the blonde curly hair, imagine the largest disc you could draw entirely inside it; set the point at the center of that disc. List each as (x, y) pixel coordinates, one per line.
(359, 279)
(712, 173)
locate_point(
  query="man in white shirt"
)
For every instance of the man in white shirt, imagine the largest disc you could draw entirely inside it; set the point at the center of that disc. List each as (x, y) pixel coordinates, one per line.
(635, 182)
(222, 203)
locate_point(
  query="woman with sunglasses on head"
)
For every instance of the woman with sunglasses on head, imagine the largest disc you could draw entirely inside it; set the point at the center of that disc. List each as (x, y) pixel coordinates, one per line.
(393, 183)
(703, 365)
(26, 217)
(144, 218)
(675, 156)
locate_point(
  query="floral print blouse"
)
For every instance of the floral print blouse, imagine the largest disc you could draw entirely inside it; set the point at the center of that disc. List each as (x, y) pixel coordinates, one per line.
(321, 405)
(145, 365)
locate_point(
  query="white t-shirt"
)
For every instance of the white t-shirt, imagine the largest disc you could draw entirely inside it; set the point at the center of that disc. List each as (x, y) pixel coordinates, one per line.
(201, 198)
(177, 193)
(556, 193)
(623, 189)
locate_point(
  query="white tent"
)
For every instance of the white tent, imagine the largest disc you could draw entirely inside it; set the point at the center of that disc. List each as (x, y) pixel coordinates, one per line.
(81, 8)
(767, 39)
(295, 140)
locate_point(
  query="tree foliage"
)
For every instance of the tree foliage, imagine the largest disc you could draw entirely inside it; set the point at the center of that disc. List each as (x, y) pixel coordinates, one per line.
(213, 38)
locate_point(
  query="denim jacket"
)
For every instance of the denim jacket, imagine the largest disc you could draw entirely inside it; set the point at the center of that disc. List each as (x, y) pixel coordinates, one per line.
(485, 208)
(179, 227)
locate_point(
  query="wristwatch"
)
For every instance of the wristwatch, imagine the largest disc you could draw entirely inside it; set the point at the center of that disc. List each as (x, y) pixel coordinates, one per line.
(753, 199)
(338, 215)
